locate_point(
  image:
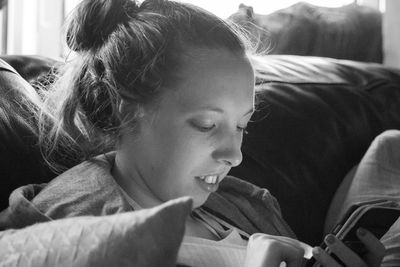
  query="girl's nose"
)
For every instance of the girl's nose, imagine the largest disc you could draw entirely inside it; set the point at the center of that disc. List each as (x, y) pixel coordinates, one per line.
(228, 151)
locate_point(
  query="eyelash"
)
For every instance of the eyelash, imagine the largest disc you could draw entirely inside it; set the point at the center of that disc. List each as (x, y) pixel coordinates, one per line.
(205, 129)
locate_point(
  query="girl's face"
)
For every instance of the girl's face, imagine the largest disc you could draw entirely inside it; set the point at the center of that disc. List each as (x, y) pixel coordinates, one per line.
(193, 138)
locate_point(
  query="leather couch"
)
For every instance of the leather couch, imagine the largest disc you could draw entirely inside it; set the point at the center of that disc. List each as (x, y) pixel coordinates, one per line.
(315, 119)
(20, 159)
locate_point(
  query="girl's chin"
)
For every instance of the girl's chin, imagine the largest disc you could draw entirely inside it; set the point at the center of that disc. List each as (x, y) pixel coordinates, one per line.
(199, 200)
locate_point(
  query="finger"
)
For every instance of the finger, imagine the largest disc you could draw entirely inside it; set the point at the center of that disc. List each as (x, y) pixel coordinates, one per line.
(324, 258)
(293, 257)
(376, 250)
(264, 250)
(275, 237)
(259, 237)
(306, 248)
(343, 252)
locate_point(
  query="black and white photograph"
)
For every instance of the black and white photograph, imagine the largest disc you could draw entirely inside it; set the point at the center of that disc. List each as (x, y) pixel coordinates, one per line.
(200, 133)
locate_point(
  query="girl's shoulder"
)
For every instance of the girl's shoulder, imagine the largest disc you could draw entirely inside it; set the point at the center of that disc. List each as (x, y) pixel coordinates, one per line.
(86, 189)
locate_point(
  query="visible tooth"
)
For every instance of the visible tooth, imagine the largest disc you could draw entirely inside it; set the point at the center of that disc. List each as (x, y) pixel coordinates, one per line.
(212, 179)
(202, 177)
(209, 179)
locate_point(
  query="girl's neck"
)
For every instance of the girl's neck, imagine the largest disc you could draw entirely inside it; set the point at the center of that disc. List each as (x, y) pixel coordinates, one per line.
(133, 185)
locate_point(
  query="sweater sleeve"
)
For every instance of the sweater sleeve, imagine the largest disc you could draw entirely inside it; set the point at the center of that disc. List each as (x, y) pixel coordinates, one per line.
(248, 207)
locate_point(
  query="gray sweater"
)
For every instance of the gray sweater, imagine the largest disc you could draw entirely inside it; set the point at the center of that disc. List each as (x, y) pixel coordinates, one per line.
(90, 189)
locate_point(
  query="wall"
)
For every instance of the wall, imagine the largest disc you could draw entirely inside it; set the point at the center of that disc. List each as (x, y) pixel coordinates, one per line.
(391, 33)
(34, 27)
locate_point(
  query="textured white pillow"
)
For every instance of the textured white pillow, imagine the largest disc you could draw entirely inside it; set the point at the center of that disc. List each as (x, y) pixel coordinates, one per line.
(149, 237)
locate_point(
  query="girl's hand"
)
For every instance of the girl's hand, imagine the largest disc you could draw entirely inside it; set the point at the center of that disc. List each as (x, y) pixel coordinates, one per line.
(270, 251)
(374, 256)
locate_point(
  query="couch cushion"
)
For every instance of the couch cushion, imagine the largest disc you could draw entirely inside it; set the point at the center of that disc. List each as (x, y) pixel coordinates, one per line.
(32, 67)
(309, 30)
(316, 118)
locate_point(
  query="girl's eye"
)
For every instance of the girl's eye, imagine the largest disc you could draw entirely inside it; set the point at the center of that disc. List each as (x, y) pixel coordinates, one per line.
(206, 128)
(203, 127)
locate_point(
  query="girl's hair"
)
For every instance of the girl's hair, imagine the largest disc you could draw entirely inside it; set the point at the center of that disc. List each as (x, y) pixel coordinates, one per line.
(126, 53)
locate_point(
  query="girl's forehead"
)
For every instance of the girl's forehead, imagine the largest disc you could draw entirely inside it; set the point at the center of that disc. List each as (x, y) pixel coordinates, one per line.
(193, 57)
(215, 78)
(210, 66)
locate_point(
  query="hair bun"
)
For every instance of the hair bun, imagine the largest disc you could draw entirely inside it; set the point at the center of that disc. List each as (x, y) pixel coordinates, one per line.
(94, 20)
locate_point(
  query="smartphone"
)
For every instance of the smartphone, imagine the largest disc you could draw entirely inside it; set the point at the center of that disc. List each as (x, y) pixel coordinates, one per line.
(375, 217)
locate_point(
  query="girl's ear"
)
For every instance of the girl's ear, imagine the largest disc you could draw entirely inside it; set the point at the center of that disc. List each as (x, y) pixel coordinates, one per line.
(125, 108)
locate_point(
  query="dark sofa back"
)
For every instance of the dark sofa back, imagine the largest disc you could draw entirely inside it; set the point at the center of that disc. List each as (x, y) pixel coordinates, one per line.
(31, 68)
(20, 159)
(316, 119)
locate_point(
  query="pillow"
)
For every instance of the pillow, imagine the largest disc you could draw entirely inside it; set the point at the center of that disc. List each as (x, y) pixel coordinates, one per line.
(149, 237)
(376, 177)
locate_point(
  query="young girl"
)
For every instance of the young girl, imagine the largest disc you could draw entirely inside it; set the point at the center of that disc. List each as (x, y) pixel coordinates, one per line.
(163, 92)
